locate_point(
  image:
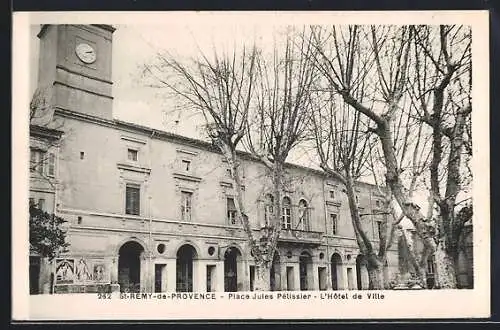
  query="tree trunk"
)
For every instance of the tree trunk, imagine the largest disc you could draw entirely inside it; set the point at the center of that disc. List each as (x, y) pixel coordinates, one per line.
(262, 276)
(445, 268)
(375, 273)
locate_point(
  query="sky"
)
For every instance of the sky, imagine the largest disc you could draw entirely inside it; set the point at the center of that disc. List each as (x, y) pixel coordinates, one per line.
(135, 45)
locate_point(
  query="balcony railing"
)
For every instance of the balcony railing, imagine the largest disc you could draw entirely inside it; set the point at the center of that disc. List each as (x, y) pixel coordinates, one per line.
(300, 236)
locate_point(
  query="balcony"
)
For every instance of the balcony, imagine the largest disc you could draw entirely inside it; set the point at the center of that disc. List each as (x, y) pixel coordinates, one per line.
(295, 236)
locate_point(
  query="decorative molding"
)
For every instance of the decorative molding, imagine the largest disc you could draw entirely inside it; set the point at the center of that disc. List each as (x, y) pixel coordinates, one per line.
(187, 177)
(133, 168)
(226, 184)
(138, 231)
(189, 152)
(333, 203)
(83, 89)
(86, 75)
(132, 139)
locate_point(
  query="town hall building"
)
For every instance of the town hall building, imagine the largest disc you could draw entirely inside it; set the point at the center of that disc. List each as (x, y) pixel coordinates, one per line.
(153, 211)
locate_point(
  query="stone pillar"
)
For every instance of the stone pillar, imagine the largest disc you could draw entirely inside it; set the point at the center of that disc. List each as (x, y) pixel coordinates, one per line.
(164, 279)
(343, 281)
(284, 280)
(365, 278)
(278, 280)
(145, 276)
(112, 268)
(218, 280)
(199, 276)
(341, 271)
(296, 277)
(312, 277)
(170, 269)
(354, 276)
(243, 275)
(329, 276)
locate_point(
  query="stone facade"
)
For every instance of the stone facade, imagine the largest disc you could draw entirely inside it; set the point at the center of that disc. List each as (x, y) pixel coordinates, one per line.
(150, 210)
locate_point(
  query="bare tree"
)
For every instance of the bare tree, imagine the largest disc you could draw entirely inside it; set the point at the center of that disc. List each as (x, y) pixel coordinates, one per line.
(385, 65)
(411, 73)
(221, 87)
(347, 151)
(284, 82)
(441, 98)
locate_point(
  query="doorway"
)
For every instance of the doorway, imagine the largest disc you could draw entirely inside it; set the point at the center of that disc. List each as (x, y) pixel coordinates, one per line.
(305, 260)
(129, 267)
(231, 258)
(184, 279)
(336, 270)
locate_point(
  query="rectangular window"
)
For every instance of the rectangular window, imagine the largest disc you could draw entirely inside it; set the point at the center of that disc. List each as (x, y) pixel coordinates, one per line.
(430, 265)
(132, 199)
(37, 161)
(32, 160)
(332, 194)
(379, 228)
(286, 218)
(186, 165)
(51, 171)
(231, 211)
(186, 199)
(132, 155)
(377, 202)
(333, 218)
(41, 204)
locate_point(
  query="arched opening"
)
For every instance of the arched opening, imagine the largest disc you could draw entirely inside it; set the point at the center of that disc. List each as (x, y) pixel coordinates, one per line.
(303, 215)
(275, 273)
(336, 269)
(184, 275)
(362, 277)
(129, 267)
(232, 258)
(305, 265)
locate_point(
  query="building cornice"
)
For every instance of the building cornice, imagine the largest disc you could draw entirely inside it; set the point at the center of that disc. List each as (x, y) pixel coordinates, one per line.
(45, 132)
(172, 137)
(106, 27)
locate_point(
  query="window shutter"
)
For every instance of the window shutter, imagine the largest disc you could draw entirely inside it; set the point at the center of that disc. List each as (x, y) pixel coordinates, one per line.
(41, 161)
(132, 200)
(52, 164)
(32, 160)
(230, 204)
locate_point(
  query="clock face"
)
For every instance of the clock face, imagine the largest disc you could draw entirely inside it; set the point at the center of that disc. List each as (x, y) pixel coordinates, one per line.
(86, 53)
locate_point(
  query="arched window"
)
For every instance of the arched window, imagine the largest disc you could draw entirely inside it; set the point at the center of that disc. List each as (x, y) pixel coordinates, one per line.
(269, 208)
(286, 214)
(303, 215)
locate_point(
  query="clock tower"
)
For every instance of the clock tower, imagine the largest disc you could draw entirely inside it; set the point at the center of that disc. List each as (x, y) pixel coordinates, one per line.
(76, 61)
